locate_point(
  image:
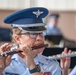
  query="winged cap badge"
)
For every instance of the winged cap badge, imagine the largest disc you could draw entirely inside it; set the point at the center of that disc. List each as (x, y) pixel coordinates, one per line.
(37, 13)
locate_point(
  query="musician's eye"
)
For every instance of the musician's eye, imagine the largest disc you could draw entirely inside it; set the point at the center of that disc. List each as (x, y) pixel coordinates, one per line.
(33, 35)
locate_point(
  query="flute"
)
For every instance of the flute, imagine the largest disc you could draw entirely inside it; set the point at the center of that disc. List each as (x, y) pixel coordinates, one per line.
(60, 56)
(19, 51)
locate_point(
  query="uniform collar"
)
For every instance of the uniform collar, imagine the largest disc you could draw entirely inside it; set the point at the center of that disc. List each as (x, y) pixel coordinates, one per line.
(17, 58)
(38, 59)
(41, 59)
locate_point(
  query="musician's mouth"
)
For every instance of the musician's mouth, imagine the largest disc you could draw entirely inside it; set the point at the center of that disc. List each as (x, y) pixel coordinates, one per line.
(39, 44)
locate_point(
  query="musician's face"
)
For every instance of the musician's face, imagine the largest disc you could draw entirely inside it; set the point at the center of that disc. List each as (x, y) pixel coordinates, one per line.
(31, 39)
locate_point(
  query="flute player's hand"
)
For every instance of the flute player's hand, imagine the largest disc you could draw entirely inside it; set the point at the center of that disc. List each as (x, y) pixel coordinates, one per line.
(4, 61)
(29, 57)
(65, 62)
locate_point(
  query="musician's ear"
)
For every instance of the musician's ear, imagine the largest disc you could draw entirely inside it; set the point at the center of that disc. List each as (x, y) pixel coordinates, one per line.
(17, 38)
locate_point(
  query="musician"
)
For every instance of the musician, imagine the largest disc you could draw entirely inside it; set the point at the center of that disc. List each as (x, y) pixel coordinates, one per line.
(27, 31)
(52, 25)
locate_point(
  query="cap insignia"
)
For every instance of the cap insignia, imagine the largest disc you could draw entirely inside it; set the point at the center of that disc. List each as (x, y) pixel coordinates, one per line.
(37, 13)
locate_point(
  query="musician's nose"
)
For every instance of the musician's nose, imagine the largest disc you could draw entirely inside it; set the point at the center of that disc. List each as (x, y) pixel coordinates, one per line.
(39, 37)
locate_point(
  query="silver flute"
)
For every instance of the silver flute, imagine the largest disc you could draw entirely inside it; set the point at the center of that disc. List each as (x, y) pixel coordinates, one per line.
(14, 51)
(60, 56)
